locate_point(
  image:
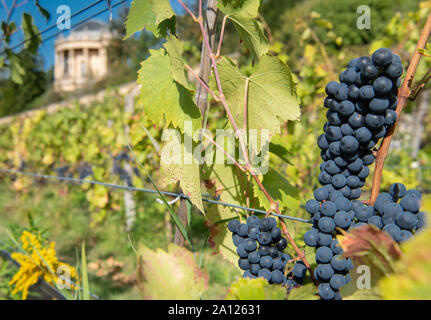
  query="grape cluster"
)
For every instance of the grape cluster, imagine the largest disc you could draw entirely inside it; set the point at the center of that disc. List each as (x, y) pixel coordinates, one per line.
(361, 108)
(260, 246)
(396, 212)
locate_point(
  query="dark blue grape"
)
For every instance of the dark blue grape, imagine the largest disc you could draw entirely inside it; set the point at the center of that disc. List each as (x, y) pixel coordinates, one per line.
(333, 133)
(370, 71)
(355, 166)
(324, 239)
(364, 213)
(243, 264)
(312, 206)
(350, 76)
(337, 281)
(366, 93)
(322, 142)
(340, 162)
(324, 271)
(379, 134)
(414, 192)
(265, 224)
(382, 57)
(346, 108)
(346, 129)
(254, 257)
(339, 181)
(326, 292)
(277, 277)
(374, 121)
(382, 85)
(407, 220)
(276, 234)
(335, 247)
(273, 252)
(281, 244)
(310, 237)
(326, 224)
(394, 70)
(328, 208)
(365, 171)
(342, 220)
(393, 230)
(405, 235)
(250, 245)
(343, 204)
(391, 117)
(376, 220)
(356, 120)
(252, 221)
(349, 144)
(379, 105)
(232, 225)
(248, 274)
(353, 92)
(263, 251)
(321, 194)
(237, 239)
(332, 168)
(266, 262)
(264, 238)
(411, 203)
(299, 270)
(397, 190)
(242, 229)
(253, 232)
(254, 268)
(334, 148)
(324, 255)
(353, 181)
(327, 102)
(264, 273)
(342, 92)
(332, 88)
(241, 251)
(363, 135)
(355, 193)
(338, 263)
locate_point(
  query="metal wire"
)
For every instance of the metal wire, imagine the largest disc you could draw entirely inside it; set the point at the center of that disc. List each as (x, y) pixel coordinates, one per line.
(167, 193)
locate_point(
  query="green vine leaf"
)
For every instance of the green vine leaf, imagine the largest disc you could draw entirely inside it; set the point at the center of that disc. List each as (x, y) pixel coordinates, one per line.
(165, 100)
(171, 275)
(255, 289)
(31, 33)
(243, 14)
(156, 16)
(271, 99)
(305, 292)
(279, 189)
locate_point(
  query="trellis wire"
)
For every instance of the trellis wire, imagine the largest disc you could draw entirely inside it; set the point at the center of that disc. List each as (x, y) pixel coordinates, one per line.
(167, 193)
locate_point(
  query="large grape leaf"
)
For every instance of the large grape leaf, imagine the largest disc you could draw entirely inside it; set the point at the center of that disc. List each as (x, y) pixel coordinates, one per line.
(271, 99)
(255, 289)
(154, 15)
(279, 189)
(162, 97)
(171, 275)
(183, 169)
(243, 16)
(175, 51)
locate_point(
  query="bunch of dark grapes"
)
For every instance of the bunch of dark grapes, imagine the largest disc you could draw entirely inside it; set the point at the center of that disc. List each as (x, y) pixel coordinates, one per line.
(361, 108)
(260, 246)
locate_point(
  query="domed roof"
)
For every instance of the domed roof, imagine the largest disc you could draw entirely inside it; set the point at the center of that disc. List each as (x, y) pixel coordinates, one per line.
(92, 26)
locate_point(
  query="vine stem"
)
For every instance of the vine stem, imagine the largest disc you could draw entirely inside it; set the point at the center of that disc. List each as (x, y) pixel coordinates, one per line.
(403, 96)
(248, 167)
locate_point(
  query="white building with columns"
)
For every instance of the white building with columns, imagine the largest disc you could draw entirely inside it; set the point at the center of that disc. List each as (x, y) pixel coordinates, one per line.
(81, 57)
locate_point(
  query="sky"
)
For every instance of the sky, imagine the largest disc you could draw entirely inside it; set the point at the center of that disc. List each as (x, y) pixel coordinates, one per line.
(46, 50)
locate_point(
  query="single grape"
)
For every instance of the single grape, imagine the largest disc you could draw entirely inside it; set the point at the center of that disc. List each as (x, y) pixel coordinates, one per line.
(365, 171)
(376, 220)
(370, 71)
(273, 252)
(324, 271)
(332, 169)
(334, 148)
(310, 237)
(332, 88)
(250, 245)
(349, 144)
(265, 224)
(393, 230)
(253, 232)
(346, 108)
(338, 263)
(411, 203)
(266, 262)
(277, 264)
(355, 166)
(322, 142)
(312, 206)
(241, 251)
(254, 268)
(281, 244)
(363, 135)
(356, 120)
(264, 273)
(362, 107)
(254, 257)
(334, 118)
(242, 229)
(407, 220)
(324, 255)
(346, 129)
(324, 239)
(353, 181)
(333, 133)
(237, 239)
(382, 85)
(342, 220)
(405, 235)
(343, 204)
(325, 291)
(364, 213)
(382, 57)
(277, 277)
(232, 225)
(299, 270)
(379, 105)
(243, 264)
(326, 224)
(337, 281)
(321, 194)
(263, 251)
(252, 221)
(353, 92)
(342, 92)
(264, 238)
(366, 93)
(276, 234)
(374, 121)
(335, 247)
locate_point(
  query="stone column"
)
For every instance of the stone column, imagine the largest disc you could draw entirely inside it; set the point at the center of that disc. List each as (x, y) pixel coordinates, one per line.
(86, 58)
(72, 66)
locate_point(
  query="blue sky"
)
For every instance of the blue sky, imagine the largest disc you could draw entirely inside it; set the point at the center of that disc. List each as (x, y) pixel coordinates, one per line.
(47, 47)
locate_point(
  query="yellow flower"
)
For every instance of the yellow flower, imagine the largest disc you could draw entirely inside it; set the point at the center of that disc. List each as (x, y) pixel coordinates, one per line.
(37, 262)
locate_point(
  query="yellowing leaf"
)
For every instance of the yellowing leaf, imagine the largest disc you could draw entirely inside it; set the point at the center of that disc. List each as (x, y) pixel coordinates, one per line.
(171, 275)
(255, 289)
(305, 292)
